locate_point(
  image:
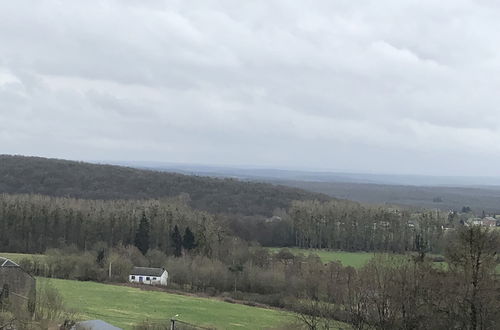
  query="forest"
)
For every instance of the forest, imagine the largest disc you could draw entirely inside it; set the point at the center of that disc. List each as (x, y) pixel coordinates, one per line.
(444, 197)
(62, 178)
(35, 223)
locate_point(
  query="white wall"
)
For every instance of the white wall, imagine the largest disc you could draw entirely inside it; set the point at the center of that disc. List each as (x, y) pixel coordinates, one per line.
(162, 280)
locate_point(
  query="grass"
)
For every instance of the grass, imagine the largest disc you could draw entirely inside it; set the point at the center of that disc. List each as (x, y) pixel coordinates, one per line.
(16, 257)
(353, 259)
(125, 306)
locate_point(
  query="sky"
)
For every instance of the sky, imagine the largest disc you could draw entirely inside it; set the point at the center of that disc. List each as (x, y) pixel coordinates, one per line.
(372, 86)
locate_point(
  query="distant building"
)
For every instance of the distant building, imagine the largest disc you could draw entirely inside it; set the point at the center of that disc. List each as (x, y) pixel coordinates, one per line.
(476, 221)
(146, 275)
(17, 287)
(274, 218)
(484, 222)
(489, 222)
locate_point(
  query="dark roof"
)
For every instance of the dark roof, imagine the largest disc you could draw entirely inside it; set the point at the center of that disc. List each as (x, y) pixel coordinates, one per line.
(147, 271)
(4, 262)
(95, 325)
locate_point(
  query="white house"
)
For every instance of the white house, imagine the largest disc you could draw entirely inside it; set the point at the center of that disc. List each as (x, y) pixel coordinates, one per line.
(146, 275)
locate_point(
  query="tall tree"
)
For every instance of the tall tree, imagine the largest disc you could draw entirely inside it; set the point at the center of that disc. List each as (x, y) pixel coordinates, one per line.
(177, 242)
(188, 241)
(100, 256)
(142, 234)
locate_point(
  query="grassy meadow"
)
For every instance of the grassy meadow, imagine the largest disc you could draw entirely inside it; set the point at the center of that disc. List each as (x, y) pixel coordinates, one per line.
(16, 257)
(353, 259)
(126, 306)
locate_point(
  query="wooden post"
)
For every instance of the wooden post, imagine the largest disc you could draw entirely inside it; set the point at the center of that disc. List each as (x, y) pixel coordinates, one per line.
(172, 326)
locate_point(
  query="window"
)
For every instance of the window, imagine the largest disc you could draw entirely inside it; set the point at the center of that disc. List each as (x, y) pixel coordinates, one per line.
(154, 278)
(147, 278)
(132, 277)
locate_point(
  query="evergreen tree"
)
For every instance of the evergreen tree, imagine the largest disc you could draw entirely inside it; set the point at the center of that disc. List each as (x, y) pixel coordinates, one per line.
(177, 242)
(100, 256)
(142, 235)
(188, 241)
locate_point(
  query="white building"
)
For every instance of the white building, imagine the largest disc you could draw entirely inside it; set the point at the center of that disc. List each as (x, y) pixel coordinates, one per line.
(146, 275)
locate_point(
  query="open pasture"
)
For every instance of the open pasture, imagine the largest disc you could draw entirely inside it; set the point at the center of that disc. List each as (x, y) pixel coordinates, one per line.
(353, 259)
(126, 306)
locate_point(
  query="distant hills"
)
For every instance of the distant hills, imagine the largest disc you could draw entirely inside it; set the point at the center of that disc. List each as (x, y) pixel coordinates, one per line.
(434, 192)
(55, 177)
(241, 190)
(485, 198)
(318, 176)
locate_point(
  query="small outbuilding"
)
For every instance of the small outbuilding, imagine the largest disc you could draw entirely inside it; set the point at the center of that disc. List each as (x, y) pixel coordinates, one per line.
(94, 325)
(17, 287)
(147, 275)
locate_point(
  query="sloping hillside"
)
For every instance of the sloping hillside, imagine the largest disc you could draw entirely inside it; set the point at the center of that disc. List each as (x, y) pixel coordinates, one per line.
(54, 177)
(485, 198)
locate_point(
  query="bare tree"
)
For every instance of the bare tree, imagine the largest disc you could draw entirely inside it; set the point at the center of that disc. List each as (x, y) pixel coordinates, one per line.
(472, 257)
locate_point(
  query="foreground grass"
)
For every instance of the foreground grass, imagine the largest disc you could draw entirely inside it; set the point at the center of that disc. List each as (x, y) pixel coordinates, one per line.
(125, 306)
(353, 259)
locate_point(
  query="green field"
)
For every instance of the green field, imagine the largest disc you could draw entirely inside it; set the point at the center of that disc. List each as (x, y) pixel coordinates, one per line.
(16, 257)
(125, 306)
(353, 259)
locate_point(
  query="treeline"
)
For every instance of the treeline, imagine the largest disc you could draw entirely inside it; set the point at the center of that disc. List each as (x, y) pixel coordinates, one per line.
(350, 226)
(34, 223)
(62, 178)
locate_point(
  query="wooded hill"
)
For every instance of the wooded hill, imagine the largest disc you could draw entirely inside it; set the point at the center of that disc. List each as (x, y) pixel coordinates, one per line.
(62, 178)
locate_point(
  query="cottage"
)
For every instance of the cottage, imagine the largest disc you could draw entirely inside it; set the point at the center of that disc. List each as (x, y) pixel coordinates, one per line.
(476, 221)
(17, 287)
(146, 275)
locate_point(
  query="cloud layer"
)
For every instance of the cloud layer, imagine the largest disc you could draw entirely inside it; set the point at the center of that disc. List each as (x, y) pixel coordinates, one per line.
(375, 86)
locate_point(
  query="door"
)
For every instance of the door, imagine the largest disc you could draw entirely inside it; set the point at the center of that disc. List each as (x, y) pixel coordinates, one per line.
(141, 279)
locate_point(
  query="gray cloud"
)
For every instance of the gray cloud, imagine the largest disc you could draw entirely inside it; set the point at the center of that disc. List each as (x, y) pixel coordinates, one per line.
(382, 86)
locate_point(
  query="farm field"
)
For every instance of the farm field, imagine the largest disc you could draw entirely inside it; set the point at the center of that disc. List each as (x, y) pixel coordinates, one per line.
(125, 306)
(16, 257)
(353, 259)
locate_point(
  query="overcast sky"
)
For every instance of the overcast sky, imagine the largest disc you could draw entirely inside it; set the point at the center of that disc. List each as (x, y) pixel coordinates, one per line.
(382, 86)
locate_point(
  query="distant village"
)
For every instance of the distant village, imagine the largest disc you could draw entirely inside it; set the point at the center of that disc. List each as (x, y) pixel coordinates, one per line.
(466, 218)
(485, 222)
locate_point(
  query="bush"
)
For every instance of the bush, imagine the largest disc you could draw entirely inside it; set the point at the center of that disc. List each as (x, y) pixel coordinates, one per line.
(438, 259)
(49, 303)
